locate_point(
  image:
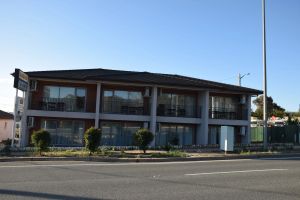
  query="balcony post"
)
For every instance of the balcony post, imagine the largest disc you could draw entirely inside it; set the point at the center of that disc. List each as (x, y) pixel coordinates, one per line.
(98, 103)
(153, 113)
(202, 129)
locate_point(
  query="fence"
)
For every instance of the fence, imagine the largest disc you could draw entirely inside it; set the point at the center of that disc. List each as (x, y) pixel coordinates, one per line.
(285, 134)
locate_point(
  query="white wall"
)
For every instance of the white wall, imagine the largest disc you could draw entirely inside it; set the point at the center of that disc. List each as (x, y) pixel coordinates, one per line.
(6, 130)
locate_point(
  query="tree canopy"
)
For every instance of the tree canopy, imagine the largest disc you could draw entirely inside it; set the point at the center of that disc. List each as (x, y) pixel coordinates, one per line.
(273, 109)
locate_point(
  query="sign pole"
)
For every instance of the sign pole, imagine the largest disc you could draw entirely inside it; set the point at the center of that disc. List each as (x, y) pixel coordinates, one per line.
(15, 118)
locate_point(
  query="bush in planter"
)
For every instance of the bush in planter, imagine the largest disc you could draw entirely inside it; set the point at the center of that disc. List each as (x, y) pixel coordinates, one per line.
(41, 139)
(92, 138)
(142, 138)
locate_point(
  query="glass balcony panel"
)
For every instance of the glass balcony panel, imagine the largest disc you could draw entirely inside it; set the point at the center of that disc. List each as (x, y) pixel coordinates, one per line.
(177, 110)
(228, 113)
(63, 104)
(128, 107)
(65, 99)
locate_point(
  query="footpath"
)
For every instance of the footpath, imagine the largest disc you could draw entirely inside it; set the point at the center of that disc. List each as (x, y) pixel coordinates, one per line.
(193, 157)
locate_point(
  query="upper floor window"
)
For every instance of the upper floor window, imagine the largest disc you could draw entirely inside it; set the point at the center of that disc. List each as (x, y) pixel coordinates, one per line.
(123, 101)
(228, 103)
(172, 104)
(123, 95)
(222, 107)
(64, 98)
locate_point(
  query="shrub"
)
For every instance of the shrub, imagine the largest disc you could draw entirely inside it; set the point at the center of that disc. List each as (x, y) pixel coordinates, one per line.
(6, 143)
(142, 138)
(92, 138)
(41, 139)
(167, 147)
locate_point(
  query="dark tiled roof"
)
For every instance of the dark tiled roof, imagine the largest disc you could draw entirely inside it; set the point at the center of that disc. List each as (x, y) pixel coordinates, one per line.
(138, 77)
(5, 115)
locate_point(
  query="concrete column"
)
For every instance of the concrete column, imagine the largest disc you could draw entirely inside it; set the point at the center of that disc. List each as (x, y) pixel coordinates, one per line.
(24, 129)
(145, 125)
(248, 128)
(202, 129)
(98, 103)
(153, 113)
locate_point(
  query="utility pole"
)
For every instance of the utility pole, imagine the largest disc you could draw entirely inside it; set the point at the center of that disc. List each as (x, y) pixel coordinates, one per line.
(264, 76)
(240, 78)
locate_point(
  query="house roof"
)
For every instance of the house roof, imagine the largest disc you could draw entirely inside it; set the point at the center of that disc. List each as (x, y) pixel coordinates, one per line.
(100, 74)
(6, 115)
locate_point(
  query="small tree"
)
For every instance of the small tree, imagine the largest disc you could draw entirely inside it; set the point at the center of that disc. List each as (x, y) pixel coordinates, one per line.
(142, 138)
(92, 138)
(41, 139)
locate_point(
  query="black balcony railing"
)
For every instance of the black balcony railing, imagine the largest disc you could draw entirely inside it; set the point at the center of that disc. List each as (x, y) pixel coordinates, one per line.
(126, 107)
(228, 113)
(62, 104)
(178, 110)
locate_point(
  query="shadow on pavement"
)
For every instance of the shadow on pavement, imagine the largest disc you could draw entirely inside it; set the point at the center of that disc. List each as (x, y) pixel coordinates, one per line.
(43, 195)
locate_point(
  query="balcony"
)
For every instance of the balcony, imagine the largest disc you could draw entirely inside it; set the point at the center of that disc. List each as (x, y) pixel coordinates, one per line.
(228, 113)
(178, 110)
(61, 104)
(125, 107)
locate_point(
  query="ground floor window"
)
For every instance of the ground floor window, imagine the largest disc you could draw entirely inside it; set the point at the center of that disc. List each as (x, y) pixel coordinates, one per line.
(119, 133)
(64, 132)
(214, 134)
(175, 134)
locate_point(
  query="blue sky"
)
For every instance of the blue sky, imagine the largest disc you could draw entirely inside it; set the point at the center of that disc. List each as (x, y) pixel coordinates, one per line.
(208, 39)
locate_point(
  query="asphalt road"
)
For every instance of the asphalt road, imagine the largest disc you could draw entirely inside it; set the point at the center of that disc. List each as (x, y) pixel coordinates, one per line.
(234, 179)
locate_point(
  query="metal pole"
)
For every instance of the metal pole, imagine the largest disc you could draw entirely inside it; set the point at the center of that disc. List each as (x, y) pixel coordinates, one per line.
(15, 118)
(264, 77)
(240, 79)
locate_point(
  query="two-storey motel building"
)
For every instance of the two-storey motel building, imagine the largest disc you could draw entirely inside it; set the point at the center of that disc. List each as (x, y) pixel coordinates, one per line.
(179, 110)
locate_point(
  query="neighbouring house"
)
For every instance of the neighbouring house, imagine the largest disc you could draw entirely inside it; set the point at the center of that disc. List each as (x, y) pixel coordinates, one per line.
(6, 125)
(179, 110)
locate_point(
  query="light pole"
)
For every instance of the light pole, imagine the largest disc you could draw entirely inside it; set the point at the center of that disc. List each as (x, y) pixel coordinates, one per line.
(240, 78)
(264, 76)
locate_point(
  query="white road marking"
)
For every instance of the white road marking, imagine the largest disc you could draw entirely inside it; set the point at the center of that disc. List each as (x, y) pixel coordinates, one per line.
(119, 164)
(280, 158)
(233, 172)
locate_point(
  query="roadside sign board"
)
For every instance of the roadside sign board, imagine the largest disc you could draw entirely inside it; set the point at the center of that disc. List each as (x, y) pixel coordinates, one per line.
(227, 138)
(21, 80)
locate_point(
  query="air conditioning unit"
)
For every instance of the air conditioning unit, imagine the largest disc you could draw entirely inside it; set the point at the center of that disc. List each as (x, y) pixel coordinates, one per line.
(33, 85)
(147, 92)
(30, 122)
(243, 99)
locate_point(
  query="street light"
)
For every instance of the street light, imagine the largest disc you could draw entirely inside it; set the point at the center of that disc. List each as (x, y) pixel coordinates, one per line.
(265, 75)
(240, 78)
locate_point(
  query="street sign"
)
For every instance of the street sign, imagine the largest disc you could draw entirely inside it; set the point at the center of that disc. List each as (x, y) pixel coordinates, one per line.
(21, 80)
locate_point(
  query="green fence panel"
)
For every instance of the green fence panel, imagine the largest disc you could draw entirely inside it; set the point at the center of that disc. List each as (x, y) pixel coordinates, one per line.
(257, 134)
(286, 134)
